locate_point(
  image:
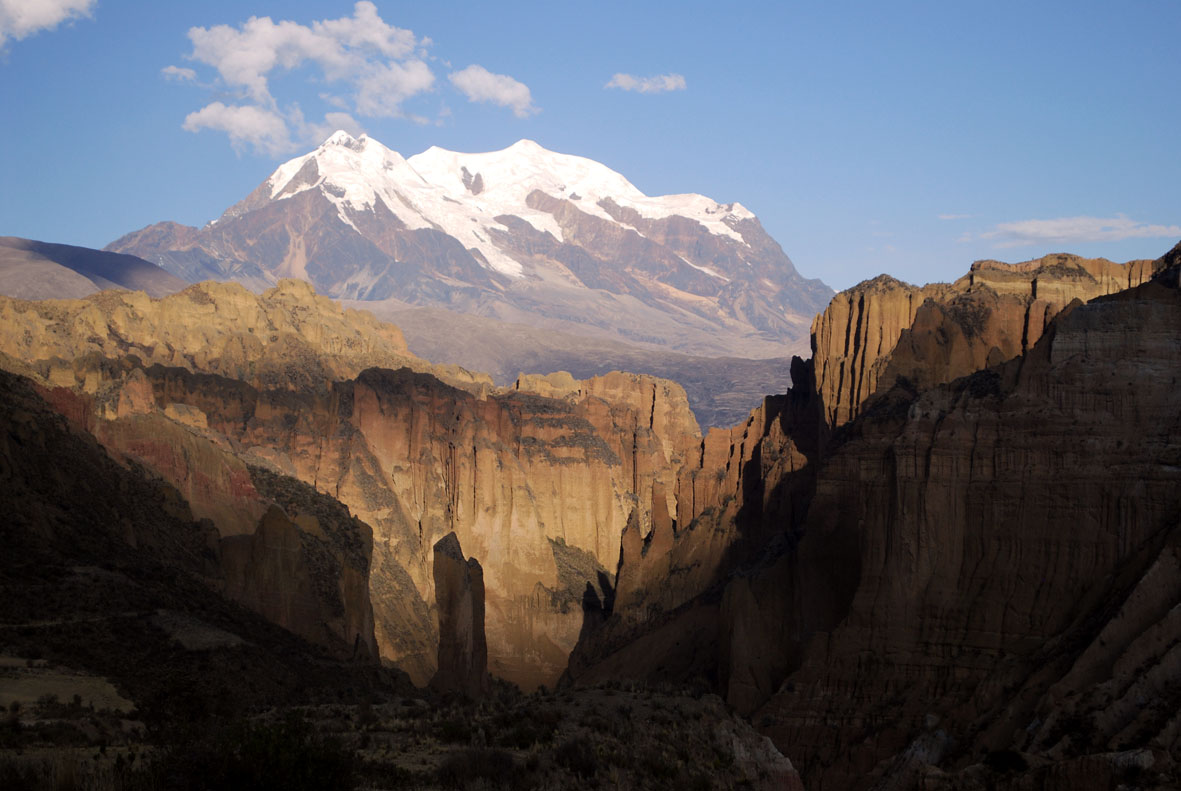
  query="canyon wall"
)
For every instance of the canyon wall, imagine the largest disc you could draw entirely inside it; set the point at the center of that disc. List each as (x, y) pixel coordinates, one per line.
(459, 596)
(892, 567)
(950, 541)
(883, 329)
(537, 481)
(993, 528)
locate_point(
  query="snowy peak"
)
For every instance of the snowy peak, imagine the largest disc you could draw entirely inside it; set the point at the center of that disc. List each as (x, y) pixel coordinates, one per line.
(506, 178)
(509, 175)
(339, 138)
(524, 233)
(463, 194)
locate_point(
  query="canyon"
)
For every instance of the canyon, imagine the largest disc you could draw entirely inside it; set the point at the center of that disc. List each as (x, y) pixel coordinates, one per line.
(214, 387)
(944, 557)
(914, 558)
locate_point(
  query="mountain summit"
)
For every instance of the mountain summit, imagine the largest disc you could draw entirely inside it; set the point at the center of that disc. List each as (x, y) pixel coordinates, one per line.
(523, 234)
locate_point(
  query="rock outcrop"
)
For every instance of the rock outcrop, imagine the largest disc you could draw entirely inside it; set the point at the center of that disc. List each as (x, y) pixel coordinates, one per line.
(288, 337)
(459, 597)
(993, 528)
(521, 478)
(958, 571)
(882, 330)
(105, 570)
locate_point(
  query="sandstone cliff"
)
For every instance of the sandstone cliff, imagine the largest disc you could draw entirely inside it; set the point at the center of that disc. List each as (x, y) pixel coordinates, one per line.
(538, 487)
(738, 485)
(105, 571)
(459, 596)
(287, 337)
(897, 594)
(883, 329)
(994, 529)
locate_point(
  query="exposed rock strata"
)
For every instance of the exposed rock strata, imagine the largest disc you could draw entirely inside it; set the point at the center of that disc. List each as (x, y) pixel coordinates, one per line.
(104, 570)
(510, 473)
(459, 596)
(304, 573)
(992, 526)
(883, 329)
(920, 581)
(287, 337)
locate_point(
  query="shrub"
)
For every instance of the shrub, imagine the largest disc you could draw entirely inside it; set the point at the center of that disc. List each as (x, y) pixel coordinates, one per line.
(289, 755)
(578, 756)
(464, 767)
(454, 731)
(524, 734)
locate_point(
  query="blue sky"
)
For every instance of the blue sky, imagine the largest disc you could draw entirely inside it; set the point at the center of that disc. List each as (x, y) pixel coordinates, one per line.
(909, 138)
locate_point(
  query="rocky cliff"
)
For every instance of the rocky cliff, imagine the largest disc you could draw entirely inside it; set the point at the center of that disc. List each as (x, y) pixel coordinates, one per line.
(998, 527)
(897, 595)
(459, 596)
(537, 480)
(959, 576)
(883, 329)
(106, 572)
(287, 337)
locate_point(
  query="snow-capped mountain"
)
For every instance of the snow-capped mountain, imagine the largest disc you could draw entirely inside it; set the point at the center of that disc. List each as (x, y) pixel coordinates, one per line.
(523, 234)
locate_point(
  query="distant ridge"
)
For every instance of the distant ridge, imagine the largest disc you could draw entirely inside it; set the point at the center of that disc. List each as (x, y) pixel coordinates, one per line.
(40, 270)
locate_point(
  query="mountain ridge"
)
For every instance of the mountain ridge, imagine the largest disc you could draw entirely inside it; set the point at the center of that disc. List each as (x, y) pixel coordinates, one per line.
(524, 233)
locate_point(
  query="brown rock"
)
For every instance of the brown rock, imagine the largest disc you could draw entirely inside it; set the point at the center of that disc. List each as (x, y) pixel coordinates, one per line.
(991, 526)
(286, 337)
(882, 330)
(969, 566)
(271, 571)
(459, 595)
(514, 474)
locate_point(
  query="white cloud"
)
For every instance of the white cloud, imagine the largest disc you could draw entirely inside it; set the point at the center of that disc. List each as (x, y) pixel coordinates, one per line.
(262, 129)
(22, 18)
(348, 49)
(178, 73)
(954, 216)
(480, 85)
(366, 30)
(374, 67)
(363, 67)
(658, 84)
(1075, 229)
(382, 92)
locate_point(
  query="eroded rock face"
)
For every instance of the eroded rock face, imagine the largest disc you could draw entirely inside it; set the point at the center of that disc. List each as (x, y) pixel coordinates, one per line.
(459, 596)
(969, 568)
(883, 329)
(537, 481)
(992, 527)
(287, 337)
(723, 509)
(854, 336)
